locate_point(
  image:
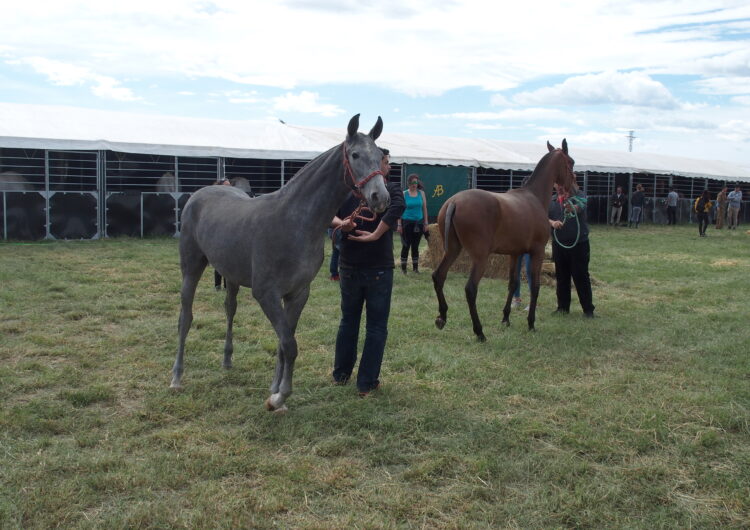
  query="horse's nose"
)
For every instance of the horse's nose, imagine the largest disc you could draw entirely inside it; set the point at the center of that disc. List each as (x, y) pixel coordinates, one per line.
(378, 202)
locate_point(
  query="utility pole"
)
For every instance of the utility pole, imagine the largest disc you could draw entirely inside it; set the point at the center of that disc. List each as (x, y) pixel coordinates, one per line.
(630, 138)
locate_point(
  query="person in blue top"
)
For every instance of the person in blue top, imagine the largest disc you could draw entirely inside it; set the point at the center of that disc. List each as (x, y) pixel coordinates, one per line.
(413, 222)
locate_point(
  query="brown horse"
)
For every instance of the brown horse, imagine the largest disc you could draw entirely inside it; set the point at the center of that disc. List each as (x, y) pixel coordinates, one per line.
(513, 223)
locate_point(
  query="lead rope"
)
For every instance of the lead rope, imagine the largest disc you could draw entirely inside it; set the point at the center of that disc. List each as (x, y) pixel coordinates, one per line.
(360, 211)
(573, 213)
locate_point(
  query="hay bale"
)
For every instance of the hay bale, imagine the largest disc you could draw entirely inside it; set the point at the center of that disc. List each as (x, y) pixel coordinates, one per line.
(497, 266)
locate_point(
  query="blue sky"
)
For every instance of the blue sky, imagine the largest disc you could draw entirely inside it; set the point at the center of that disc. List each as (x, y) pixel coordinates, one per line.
(676, 72)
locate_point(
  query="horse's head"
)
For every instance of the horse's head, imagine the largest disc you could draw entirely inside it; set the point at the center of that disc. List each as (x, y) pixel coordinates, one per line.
(564, 176)
(362, 160)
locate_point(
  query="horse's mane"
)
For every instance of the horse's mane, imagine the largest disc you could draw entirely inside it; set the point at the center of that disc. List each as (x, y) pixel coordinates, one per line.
(312, 166)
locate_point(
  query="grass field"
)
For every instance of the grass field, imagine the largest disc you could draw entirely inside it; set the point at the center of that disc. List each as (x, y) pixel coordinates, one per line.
(639, 418)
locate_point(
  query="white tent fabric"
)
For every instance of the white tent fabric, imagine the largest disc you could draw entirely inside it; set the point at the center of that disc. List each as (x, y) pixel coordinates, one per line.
(54, 127)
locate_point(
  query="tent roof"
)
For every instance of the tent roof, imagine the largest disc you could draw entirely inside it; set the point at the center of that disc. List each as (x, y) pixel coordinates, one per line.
(53, 127)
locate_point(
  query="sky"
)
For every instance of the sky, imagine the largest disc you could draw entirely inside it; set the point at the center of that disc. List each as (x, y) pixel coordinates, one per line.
(676, 73)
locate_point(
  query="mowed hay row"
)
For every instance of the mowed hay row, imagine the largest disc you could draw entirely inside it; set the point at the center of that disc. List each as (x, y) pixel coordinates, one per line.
(497, 267)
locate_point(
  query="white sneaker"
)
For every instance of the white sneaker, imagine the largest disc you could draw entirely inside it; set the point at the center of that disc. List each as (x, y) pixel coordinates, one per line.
(526, 309)
(516, 303)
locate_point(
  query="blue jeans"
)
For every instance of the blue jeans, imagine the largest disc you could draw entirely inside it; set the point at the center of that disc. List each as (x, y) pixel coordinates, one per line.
(370, 288)
(525, 258)
(635, 214)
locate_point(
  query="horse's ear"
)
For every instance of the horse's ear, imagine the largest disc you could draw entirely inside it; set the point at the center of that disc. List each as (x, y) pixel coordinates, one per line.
(377, 129)
(353, 126)
(565, 146)
(549, 147)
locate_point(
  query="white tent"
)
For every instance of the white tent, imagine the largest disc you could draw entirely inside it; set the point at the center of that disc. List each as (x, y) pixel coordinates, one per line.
(66, 128)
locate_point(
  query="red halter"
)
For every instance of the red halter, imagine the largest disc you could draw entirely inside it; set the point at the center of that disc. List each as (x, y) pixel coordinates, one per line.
(362, 210)
(356, 186)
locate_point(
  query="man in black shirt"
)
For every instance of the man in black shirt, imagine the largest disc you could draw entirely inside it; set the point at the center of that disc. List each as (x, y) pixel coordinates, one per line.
(366, 278)
(636, 206)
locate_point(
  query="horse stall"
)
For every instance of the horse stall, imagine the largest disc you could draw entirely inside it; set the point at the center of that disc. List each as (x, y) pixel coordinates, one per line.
(144, 194)
(49, 194)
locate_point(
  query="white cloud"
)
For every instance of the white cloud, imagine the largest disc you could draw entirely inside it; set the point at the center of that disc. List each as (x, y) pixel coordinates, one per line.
(735, 131)
(241, 96)
(498, 100)
(608, 88)
(509, 114)
(724, 85)
(599, 138)
(742, 100)
(306, 102)
(65, 74)
(484, 127)
(448, 45)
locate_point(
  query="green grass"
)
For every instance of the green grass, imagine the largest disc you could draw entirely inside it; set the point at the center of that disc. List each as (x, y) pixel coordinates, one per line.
(639, 418)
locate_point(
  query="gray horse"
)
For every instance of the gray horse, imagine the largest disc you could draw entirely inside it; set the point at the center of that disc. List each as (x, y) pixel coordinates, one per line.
(274, 243)
(12, 181)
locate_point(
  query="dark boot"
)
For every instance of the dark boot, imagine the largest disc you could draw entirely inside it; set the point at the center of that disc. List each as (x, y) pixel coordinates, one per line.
(403, 267)
(415, 266)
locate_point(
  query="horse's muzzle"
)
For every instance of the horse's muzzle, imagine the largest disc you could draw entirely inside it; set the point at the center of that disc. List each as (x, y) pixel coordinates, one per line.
(378, 202)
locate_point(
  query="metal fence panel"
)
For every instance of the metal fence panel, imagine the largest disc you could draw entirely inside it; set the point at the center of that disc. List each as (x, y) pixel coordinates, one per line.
(73, 215)
(24, 215)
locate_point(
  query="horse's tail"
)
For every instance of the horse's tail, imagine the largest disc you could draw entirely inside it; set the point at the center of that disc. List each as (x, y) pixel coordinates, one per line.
(448, 224)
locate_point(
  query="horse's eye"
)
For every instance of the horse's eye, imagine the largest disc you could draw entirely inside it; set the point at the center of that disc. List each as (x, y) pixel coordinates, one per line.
(355, 156)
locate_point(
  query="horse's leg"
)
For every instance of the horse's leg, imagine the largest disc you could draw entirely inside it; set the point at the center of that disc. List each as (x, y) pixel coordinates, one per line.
(472, 287)
(512, 285)
(270, 302)
(536, 277)
(438, 281)
(293, 307)
(191, 274)
(230, 306)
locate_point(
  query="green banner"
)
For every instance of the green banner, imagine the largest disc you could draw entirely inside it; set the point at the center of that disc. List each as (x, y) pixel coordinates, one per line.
(439, 183)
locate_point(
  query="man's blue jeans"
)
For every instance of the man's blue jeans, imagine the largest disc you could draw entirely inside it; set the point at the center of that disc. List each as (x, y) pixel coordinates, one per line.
(371, 289)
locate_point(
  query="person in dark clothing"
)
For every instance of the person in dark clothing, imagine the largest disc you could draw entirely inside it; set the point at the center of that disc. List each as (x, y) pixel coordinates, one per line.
(636, 206)
(702, 208)
(618, 201)
(366, 279)
(570, 249)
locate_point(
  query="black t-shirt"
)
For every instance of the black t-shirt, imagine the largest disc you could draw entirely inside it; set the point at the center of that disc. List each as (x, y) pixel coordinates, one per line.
(571, 228)
(375, 254)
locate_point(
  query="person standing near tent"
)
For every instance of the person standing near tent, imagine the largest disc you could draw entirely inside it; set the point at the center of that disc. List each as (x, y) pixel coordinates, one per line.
(570, 249)
(672, 199)
(413, 222)
(702, 208)
(618, 201)
(721, 208)
(366, 280)
(735, 201)
(636, 206)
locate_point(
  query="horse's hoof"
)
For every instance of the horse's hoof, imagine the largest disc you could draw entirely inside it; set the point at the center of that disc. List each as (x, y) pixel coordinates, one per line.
(440, 322)
(506, 322)
(175, 386)
(275, 403)
(227, 366)
(481, 338)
